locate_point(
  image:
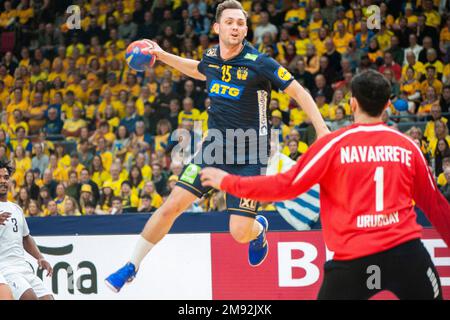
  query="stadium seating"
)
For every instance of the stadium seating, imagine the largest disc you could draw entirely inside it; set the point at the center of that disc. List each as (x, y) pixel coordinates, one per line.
(70, 87)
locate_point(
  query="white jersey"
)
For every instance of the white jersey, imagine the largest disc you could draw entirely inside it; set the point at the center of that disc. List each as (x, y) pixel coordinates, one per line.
(11, 236)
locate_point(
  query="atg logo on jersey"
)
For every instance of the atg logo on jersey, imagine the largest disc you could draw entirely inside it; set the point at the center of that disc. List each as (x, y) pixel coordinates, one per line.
(225, 90)
(283, 74)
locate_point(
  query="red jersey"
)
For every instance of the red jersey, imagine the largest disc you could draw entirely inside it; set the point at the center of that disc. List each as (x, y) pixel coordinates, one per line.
(369, 176)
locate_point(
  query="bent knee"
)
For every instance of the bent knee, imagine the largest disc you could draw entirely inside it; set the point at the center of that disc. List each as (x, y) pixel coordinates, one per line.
(170, 209)
(178, 201)
(29, 295)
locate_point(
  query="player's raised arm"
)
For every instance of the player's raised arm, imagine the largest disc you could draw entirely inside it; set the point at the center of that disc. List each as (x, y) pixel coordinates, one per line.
(304, 99)
(284, 80)
(187, 66)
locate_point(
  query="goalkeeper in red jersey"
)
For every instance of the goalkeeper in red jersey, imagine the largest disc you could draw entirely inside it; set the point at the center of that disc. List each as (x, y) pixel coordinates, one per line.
(370, 177)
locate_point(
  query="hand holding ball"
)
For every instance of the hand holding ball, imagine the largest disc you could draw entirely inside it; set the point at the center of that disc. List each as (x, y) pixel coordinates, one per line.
(138, 56)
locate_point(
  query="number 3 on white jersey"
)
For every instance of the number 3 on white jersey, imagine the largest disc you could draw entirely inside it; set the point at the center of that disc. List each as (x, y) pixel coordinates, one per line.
(379, 189)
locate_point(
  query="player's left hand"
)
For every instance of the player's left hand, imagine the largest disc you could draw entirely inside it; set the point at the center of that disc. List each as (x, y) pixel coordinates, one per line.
(212, 177)
(44, 264)
(4, 216)
(153, 48)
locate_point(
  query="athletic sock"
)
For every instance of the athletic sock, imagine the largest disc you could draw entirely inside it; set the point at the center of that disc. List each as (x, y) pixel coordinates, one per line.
(141, 249)
(260, 229)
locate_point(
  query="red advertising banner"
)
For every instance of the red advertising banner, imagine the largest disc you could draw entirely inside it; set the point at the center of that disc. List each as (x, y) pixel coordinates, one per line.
(293, 269)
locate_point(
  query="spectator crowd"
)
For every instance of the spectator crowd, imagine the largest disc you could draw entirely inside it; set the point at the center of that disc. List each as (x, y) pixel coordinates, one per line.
(87, 135)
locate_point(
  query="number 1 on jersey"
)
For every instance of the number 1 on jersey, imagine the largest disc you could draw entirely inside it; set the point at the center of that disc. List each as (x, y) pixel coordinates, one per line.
(379, 189)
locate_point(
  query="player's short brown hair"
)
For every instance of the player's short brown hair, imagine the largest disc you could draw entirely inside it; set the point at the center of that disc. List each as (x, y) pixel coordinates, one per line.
(229, 4)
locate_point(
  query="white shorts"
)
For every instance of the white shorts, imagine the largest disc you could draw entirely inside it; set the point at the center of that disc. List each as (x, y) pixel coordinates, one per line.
(2, 280)
(22, 278)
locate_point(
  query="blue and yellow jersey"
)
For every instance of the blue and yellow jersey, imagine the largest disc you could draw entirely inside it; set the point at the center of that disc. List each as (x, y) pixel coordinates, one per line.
(239, 89)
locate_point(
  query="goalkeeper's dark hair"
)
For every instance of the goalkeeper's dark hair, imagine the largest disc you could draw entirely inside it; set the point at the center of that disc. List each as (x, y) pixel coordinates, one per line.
(372, 91)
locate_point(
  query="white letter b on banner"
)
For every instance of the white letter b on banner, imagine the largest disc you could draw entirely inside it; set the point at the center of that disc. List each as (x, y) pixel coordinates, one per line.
(286, 264)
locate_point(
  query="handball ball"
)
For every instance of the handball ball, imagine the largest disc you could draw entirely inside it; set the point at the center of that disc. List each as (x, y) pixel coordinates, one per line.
(137, 57)
(401, 105)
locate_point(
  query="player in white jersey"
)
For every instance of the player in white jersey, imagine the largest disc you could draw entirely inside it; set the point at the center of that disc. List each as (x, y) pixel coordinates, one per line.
(5, 291)
(15, 239)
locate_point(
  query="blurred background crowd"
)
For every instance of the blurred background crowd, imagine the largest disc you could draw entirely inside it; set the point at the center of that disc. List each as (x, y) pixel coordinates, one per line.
(87, 135)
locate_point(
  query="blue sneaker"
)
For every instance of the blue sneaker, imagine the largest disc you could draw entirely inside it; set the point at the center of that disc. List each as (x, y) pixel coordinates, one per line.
(258, 248)
(117, 279)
